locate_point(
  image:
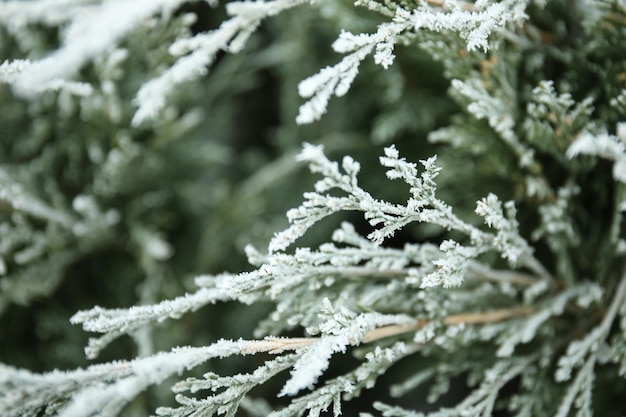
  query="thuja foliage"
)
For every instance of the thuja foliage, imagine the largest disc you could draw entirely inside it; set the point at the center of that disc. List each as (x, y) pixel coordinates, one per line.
(466, 259)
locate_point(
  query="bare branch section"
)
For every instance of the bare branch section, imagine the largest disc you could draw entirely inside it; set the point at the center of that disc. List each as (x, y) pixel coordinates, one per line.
(278, 344)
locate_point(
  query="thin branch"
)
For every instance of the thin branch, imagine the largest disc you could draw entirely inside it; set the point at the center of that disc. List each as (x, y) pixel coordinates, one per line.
(492, 316)
(277, 345)
(392, 330)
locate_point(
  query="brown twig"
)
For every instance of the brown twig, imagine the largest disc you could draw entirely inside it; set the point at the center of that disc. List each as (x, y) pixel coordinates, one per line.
(277, 345)
(492, 316)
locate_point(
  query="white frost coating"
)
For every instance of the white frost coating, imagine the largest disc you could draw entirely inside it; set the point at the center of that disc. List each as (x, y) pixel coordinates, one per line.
(330, 80)
(509, 242)
(621, 131)
(152, 97)
(556, 219)
(116, 322)
(499, 114)
(107, 400)
(605, 146)
(475, 27)
(336, 80)
(104, 389)
(422, 206)
(9, 70)
(102, 320)
(231, 37)
(15, 15)
(312, 364)
(341, 329)
(451, 269)
(358, 273)
(93, 32)
(16, 196)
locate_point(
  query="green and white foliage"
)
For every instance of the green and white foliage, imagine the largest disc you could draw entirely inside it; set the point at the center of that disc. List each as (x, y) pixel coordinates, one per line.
(483, 254)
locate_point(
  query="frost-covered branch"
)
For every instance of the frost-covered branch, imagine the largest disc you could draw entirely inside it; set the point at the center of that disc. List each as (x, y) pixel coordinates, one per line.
(481, 401)
(473, 24)
(500, 266)
(235, 390)
(94, 29)
(349, 385)
(16, 15)
(16, 196)
(116, 322)
(499, 113)
(526, 330)
(579, 349)
(422, 206)
(10, 70)
(100, 389)
(195, 54)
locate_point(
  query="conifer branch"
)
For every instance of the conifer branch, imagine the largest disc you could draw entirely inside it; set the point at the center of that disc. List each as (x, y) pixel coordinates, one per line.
(144, 143)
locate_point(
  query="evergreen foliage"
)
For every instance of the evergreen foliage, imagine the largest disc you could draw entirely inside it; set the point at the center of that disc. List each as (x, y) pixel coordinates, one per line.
(461, 252)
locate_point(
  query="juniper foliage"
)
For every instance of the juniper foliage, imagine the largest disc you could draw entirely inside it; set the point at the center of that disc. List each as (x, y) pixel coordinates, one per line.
(472, 261)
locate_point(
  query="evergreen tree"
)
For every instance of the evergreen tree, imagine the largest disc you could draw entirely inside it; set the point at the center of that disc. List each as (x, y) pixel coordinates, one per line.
(456, 246)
